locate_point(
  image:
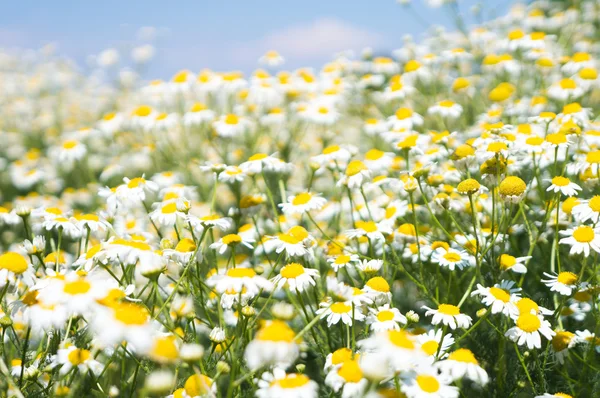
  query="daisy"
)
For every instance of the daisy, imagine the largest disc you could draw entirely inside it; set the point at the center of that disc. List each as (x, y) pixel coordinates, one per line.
(451, 258)
(296, 277)
(446, 109)
(561, 343)
(405, 118)
(12, 264)
(343, 311)
(555, 395)
(355, 176)
(342, 260)
(514, 264)
(449, 315)
(582, 239)
(68, 228)
(500, 297)
(564, 186)
(587, 337)
(167, 214)
(385, 318)
(279, 384)
(426, 382)
(230, 125)
(369, 266)
(229, 241)
(378, 288)
(237, 279)
(369, 229)
(198, 114)
(398, 348)
(302, 203)
(348, 377)
(293, 242)
(433, 345)
(197, 386)
(588, 210)
(124, 321)
(274, 344)
(462, 363)
(563, 283)
(528, 329)
(211, 220)
(259, 162)
(232, 174)
(271, 58)
(70, 357)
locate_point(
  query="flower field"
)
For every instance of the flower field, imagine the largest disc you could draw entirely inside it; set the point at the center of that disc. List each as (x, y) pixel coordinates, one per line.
(424, 223)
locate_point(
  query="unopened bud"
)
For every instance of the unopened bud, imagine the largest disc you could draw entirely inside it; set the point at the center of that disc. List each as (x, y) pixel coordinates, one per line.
(159, 382)
(481, 312)
(412, 316)
(259, 269)
(223, 367)
(166, 244)
(5, 321)
(248, 311)
(217, 335)
(300, 367)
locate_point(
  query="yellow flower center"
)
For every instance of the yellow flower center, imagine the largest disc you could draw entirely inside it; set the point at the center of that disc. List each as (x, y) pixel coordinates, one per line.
(331, 149)
(561, 340)
(77, 287)
(302, 198)
(13, 262)
(142, 111)
(241, 273)
(526, 305)
(500, 294)
(374, 154)
(69, 144)
(185, 245)
(528, 323)
(468, 186)
(293, 380)
(446, 103)
(292, 270)
(350, 371)
(342, 259)
(428, 383)
(401, 339)
(568, 84)
(452, 257)
(594, 204)
(231, 239)
(355, 167)
(512, 186)
(231, 119)
(78, 356)
(507, 261)
(276, 331)
(385, 315)
(340, 308)
(131, 314)
(463, 355)
(165, 348)
(367, 226)
(556, 138)
(378, 284)
(430, 347)
(169, 208)
(560, 181)
(448, 309)
(567, 278)
(584, 234)
(197, 385)
(341, 355)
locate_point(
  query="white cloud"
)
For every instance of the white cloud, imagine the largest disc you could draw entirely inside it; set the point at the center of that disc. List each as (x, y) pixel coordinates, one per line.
(310, 42)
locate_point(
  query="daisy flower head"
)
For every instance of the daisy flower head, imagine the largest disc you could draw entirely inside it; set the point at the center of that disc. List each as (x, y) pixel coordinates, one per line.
(281, 384)
(500, 297)
(426, 382)
(564, 186)
(348, 377)
(512, 189)
(587, 210)
(12, 265)
(564, 283)
(433, 345)
(274, 344)
(370, 229)
(356, 174)
(302, 203)
(342, 260)
(582, 239)
(237, 279)
(555, 395)
(370, 266)
(385, 318)
(295, 242)
(527, 330)
(462, 363)
(446, 109)
(379, 289)
(70, 356)
(562, 341)
(343, 311)
(231, 125)
(229, 241)
(451, 258)
(295, 277)
(448, 315)
(514, 264)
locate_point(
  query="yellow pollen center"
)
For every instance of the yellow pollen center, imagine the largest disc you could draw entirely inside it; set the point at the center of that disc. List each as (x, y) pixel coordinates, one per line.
(292, 381)
(13, 262)
(584, 234)
(350, 371)
(448, 309)
(463, 355)
(528, 323)
(385, 315)
(452, 257)
(302, 199)
(500, 294)
(231, 239)
(77, 287)
(292, 270)
(78, 356)
(567, 278)
(430, 347)
(428, 383)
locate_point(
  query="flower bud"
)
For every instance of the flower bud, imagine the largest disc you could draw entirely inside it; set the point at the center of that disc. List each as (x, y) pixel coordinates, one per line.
(217, 335)
(412, 316)
(159, 382)
(223, 367)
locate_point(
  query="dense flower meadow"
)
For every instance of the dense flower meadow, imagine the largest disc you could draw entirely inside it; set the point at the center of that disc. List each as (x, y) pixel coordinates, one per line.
(420, 225)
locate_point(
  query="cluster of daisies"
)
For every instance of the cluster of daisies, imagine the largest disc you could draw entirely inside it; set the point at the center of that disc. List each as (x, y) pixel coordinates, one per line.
(424, 225)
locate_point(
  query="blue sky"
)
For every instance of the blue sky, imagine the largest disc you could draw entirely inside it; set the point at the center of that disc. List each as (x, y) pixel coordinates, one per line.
(222, 34)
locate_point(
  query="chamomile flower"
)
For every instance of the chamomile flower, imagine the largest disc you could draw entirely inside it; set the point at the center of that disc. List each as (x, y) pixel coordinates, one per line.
(342, 260)
(385, 318)
(582, 239)
(449, 315)
(451, 258)
(500, 297)
(527, 330)
(237, 279)
(426, 382)
(295, 277)
(279, 384)
(70, 356)
(462, 363)
(588, 210)
(229, 241)
(433, 345)
(563, 283)
(274, 344)
(564, 186)
(302, 203)
(514, 264)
